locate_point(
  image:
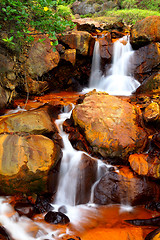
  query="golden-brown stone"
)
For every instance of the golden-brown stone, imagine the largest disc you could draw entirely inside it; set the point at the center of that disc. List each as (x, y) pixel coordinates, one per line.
(110, 125)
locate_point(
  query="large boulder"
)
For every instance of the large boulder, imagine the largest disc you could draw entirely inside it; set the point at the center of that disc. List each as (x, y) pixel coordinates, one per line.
(145, 31)
(78, 40)
(33, 122)
(25, 161)
(109, 124)
(124, 187)
(41, 58)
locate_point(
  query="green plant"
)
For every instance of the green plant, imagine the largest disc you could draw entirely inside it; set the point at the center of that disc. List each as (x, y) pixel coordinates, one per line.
(130, 16)
(20, 19)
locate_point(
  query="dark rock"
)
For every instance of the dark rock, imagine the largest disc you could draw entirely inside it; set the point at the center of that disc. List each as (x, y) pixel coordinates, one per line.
(4, 235)
(153, 235)
(24, 209)
(145, 222)
(56, 218)
(42, 204)
(125, 187)
(62, 209)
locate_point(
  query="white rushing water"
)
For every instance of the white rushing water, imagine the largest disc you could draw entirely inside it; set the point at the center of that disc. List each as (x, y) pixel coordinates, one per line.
(118, 80)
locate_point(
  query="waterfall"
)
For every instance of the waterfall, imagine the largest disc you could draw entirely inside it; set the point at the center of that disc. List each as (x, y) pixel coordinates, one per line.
(118, 80)
(95, 69)
(66, 193)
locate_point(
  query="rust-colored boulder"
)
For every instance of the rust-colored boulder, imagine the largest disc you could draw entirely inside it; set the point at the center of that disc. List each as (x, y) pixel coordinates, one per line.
(146, 164)
(25, 161)
(151, 112)
(109, 124)
(145, 60)
(145, 31)
(41, 58)
(78, 40)
(127, 233)
(124, 187)
(33, 122)
(69, 55)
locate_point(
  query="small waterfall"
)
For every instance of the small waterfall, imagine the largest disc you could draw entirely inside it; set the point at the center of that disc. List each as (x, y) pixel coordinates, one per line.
(118, 80)
(95, 69)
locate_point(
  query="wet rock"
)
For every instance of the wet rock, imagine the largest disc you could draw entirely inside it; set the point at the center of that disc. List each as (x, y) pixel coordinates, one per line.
(4, 235)
(43, 203)
(145, 31)
(24, 209)
(62, 209)
(109, 125)
(106, 46)
(146, 164)
(56, 218)
(126, 233)
(151, 112)
(145, 222)
(69, 55)
(25, 162)
(153, 235)
(87, 170)
(41, 58)
(124, 187)
(33, 122)
(150, 85)
(146, 59)
(78, 40)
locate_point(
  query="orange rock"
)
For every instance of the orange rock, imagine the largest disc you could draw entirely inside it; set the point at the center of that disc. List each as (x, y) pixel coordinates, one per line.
(78, 40)
(69, 55)
(130, 233)
(145, 164)
(25, 161)
(109, 125)
(151, 112)
(145, 31)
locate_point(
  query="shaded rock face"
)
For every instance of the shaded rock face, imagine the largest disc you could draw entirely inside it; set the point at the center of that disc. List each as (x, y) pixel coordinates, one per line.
(146, 31)
(110, 125)
(146, 59)
(25, 161)
(41, 58)
(124, 187)
(150, 85)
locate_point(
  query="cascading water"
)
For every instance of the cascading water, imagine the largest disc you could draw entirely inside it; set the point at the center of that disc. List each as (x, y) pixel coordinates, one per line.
(118, 80)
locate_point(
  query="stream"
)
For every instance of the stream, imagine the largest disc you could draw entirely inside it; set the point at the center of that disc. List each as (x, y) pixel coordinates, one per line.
(84, 218)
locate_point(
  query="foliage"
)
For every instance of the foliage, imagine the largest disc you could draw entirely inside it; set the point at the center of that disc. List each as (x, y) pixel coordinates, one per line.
(151, 5)
(19, 18)
(65, 11)
(129, 16)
